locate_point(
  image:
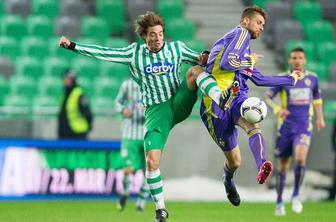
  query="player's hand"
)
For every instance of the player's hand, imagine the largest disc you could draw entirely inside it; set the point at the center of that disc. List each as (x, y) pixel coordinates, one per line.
(256, 57)
(297, 75)
(64, 42)
(196, 70)
(127, 113)
(283, 113)
(320, 124)
(203, 58)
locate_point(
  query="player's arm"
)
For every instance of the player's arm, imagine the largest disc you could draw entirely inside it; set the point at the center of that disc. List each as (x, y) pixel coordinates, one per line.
(120, 55)
(261, 80)
(318, 106)
(121, 101)
(234, 57)
(191, 56)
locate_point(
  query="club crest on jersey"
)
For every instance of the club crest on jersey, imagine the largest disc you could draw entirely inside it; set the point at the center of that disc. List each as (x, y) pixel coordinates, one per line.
(159, 68)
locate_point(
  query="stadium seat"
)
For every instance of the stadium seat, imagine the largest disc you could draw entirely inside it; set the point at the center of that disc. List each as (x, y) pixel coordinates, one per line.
(307, 46)
(118, 72)
(51, 86)
(9, 47)
(86, 67)
(117, 20)
(90, 40)
(328, 9)
(18, 7)
(330, 110)
(73, 8)
(197, 45)
(7, 67)
(106, 87)
(34, 47)
(1, 8)
(135, 8)
(103, 105)
(306, 11)
(319, 69)
(320, 49)
(327, 54)
(332, 72)
(68, 26)
(13, 26)
(45, 105)
(48, 8)
(22, 85)
(180, 29)
(55, 66)
(170, 9)
(18, 104)
(40, 26)
(57, 51)
(277, 12)
(319, 31)
(95, 27)
(116, 42)
(29, 67)
(4, 89)
(87, 86)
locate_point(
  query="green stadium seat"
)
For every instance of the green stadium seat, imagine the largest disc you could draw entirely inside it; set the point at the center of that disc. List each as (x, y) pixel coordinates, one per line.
(34, 47)
(29, 67)
(327, 54)
(22, 85)
(4, 89)
(55, 66)
(9, 47)
(48, 8)
(320, 48)
(51, 86)
(262, 3)
(57, 51)
(330, 110)
(319, 69)
(118, 72)
(197, 45)
(95, 27)
(45, 101)
(307, 46)
(116, 42)
(306, 12)
(106, 86)
(13, 26)
(170, 9)
(102, 104)
(319, 31)
(86, 67)
(19, 101)
(90, 40)
(2, 10)
(116, 20)
(180, 29)
(86, 85)
(40, 26)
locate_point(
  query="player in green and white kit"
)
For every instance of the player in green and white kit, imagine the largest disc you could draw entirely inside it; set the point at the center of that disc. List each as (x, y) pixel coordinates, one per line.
(155, 66)
(129, 104)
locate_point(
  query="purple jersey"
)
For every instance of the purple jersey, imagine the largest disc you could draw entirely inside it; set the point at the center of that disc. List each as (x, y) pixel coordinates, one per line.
(298, 99)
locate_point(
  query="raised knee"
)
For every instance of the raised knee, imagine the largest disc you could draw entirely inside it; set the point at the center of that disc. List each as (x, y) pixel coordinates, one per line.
(152, 163)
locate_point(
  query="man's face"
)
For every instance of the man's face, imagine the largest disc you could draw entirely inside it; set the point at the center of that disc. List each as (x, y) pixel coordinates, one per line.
(297, 60)
(154, 38)
(67, 81)
(255, 25)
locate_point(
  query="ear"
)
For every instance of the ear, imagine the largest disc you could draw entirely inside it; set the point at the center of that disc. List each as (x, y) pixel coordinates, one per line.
(246, 21)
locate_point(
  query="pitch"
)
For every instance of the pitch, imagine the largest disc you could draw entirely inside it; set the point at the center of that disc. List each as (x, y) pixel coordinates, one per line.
(105, 211)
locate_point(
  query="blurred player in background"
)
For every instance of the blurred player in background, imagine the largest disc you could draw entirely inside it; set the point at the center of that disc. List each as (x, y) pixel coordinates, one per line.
(74, 117)
(332, 192)
(295, 128)
(155, 66)
(128, 103)
(231, 61)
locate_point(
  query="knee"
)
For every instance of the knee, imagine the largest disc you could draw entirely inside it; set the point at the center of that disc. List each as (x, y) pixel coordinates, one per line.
(300, 161)
(234, 164)
(128, 171)
(152, 162)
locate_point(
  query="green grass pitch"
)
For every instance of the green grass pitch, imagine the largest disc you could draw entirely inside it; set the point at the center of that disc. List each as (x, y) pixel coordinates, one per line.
(105, 211)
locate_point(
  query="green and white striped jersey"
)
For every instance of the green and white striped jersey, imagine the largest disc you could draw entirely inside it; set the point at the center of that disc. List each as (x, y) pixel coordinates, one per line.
(129, 96)
(157, 73)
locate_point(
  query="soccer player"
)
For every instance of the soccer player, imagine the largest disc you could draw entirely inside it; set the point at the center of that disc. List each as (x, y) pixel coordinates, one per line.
(295, 129)
(231, 61)
(128, 103)
(155, 67)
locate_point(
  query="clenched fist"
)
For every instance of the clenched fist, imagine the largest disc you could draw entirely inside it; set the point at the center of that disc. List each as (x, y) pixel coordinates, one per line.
(64, 42)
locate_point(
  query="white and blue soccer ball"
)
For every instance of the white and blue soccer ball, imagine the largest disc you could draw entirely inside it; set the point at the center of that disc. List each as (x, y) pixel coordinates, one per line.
(253, 109)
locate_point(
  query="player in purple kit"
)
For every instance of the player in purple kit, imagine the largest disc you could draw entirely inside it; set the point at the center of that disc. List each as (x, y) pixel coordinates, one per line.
(295, 116)
(231, 64)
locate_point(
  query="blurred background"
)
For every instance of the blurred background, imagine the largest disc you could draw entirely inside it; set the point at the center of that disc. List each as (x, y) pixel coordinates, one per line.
(31, 89)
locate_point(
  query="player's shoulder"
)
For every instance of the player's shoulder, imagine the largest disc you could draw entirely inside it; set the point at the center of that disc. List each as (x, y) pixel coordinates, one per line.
(311, 74)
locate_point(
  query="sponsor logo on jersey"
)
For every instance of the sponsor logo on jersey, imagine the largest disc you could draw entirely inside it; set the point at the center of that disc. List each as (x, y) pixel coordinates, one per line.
(159, 68)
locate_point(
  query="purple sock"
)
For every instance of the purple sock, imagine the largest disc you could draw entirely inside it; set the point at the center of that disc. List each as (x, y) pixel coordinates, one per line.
(280, 181)
(299, 172)
(258, 148)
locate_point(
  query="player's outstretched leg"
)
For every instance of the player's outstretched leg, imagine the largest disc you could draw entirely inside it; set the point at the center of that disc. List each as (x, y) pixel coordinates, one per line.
(143, 195)
(228, 95)
(230, 188)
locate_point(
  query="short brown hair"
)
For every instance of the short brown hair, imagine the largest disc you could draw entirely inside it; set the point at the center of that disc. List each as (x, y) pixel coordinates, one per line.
(147, 20)
(250, 11)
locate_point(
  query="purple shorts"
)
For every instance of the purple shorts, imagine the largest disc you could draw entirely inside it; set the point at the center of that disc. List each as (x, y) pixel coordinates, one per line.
(290, 135)
(222, 124)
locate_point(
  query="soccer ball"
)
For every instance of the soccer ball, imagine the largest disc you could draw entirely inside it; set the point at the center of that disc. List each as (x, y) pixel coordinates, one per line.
(253, 109)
